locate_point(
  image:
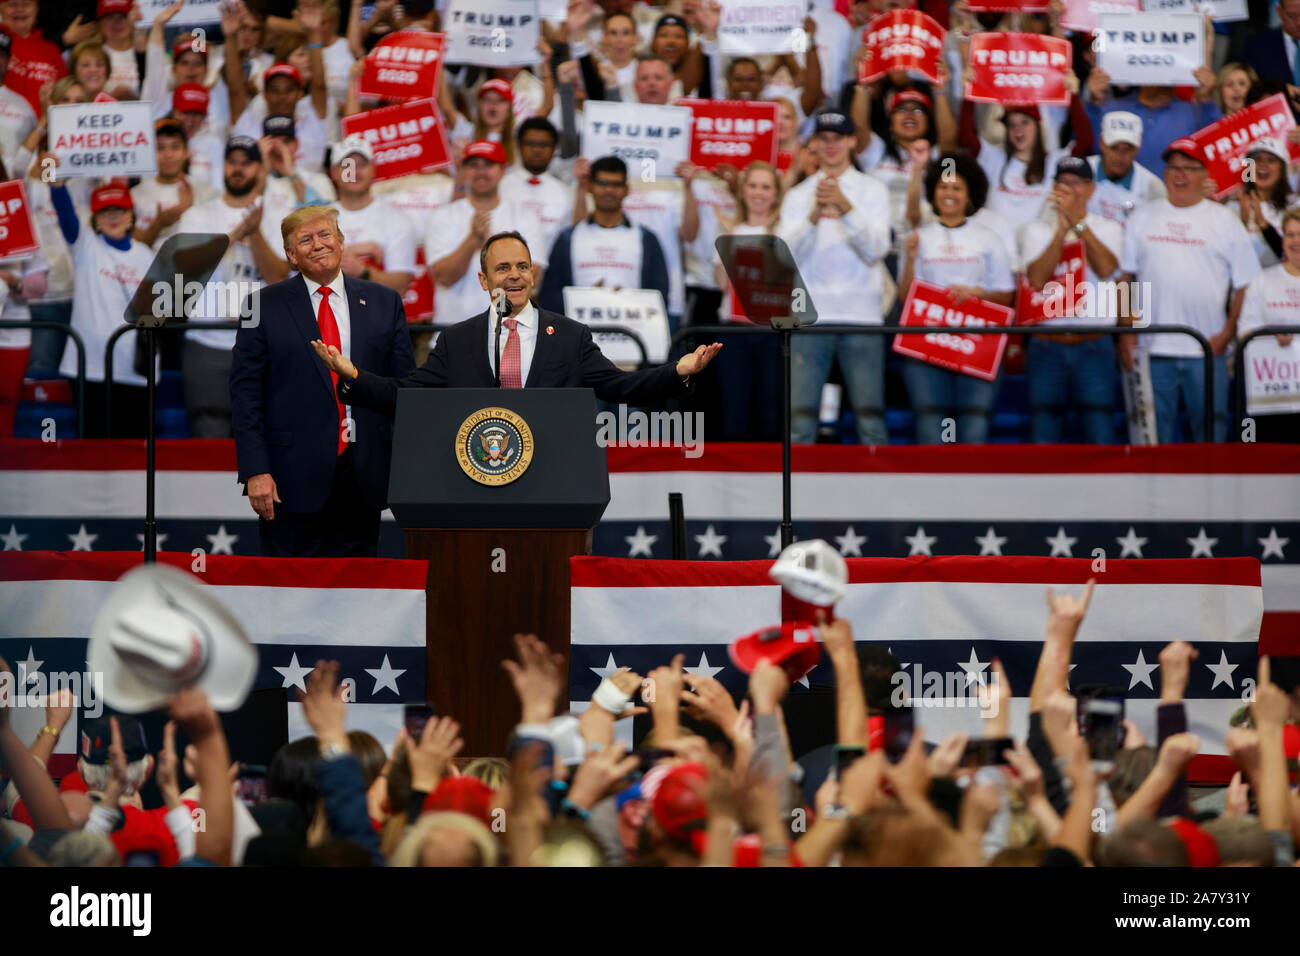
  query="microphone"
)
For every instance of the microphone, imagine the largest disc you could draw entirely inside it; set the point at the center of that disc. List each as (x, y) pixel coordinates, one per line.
(503, 308)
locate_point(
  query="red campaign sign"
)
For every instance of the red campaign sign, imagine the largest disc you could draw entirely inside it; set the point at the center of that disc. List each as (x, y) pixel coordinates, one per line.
(1081, 15)
(1018, 68)
(901, 40)
(1063, 294)
(1007, 6)
(417, 300)
(731, 131)
(17, 231)
(406, 139)
(1223, 144)
(932, 305)
(402, 66)
(769, 299)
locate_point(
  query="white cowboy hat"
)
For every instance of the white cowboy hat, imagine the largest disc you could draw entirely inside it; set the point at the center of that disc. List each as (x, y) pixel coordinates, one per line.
(161, 630)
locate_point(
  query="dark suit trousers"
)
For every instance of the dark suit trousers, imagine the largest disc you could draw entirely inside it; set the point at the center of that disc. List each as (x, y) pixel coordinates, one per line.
(344, 528)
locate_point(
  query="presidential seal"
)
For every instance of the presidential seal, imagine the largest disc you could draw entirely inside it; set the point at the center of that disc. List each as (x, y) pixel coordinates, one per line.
(494, 446)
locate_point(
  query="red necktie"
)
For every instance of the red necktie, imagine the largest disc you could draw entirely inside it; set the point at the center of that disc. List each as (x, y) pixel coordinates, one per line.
(329, 334)
(510, 375)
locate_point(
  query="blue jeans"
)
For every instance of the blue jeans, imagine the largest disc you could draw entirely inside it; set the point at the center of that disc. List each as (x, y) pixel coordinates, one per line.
(1185, 377)
(937, 393)
(862, 361)
(1082, 375)
(47, 344)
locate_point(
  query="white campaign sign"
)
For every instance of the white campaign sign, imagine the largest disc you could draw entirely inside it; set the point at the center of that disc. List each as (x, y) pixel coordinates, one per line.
(492, 32)
(642, 135)
(1221, 11)
(761, 26)
(193, 13)
(1152, 49)
(1272, 376)
(637, 310)
(103, 139)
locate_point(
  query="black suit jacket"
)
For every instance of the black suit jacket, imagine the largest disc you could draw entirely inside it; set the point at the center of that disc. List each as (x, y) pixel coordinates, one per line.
(1267, 54)
(563, 358)
(284, 416)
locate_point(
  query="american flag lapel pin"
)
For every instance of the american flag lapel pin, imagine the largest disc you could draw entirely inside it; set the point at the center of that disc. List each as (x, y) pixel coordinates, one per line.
(363, 301)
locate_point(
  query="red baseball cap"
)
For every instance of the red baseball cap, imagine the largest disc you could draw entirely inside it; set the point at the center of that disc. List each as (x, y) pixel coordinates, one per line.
(187, 43)
(467, 795)
(793, 646)
(145, 831)
(190, 98)
(1201, 848)
(498, 86)
(908, 96)
(1027, 109)
(487, 149)
(112, 196)
(105, 7)
(282, 69)
(1184, 145)
(678, 803)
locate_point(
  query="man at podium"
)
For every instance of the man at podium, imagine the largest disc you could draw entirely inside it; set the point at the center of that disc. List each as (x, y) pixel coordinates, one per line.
(514, 344)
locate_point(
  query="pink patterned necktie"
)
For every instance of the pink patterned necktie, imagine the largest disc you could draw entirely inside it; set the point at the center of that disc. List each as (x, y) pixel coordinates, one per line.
(510, 375)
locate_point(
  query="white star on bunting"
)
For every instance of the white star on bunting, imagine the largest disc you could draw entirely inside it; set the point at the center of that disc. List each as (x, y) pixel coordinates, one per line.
(850, 542)
(1272, 545)
(920, 543)
(1202, 544)
(607, 670)
(1062, 544)
(386, 676)
(81, 541)
(710, 542)
(990, 543)
(294, 674)
(1222, 672)
(640, 543)
(220, 543)
(974, 668)
(1139, 672)
(702, 669)
(159, 539)
(13, 540)
(1130, 546)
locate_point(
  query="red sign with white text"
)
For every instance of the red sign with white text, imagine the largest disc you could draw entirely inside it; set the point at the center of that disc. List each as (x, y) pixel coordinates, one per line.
(417, 300)
(1061, 294)
(731, 131)
(1224, 143)
(1018, 68)
(17, 230)
(402, 66)
(933, 305)
(1081, 15)
(406, 139)
(901, 40)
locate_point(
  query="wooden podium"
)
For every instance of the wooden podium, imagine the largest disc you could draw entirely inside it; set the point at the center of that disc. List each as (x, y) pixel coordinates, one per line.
(496, 489)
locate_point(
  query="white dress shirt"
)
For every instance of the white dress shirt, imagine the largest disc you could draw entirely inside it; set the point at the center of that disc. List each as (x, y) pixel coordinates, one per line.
(342, 315)
(527, 332)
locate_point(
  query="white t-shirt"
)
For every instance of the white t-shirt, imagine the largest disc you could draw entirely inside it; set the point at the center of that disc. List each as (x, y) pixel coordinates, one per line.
(896, 176)
(105, 278)
(123, 71)
(17, 309)
(834, 36)
(1096, 309)
(712, 198)
(237, 266)
(610, 257)
(1186, 259)
(1272, 298)
(16, 121)
(338, 67)
(659, 209)
(969, 254)
(1115, 201)
(998, 224)
(1018, 201)
(207, 159)
(58, 285)
(550, 200)
(465, 298)
(383, 224)
(840, 259)
(149, 194)
(309, 130)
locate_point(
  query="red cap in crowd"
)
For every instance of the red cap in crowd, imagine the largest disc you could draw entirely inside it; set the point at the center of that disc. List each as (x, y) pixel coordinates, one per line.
(1025, 109)
(105, 7)
(1184, 145)
(498, 86)
(1201, 848)
(793, 646)
(467, 795)
(282, 69)
(187, 43)
(190, 98)
(485, 148)
(112, 196)
(908, 96)
(678, 802)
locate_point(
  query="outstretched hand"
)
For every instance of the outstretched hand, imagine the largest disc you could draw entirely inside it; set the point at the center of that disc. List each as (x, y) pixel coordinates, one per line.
(695, 362)
(336, 361)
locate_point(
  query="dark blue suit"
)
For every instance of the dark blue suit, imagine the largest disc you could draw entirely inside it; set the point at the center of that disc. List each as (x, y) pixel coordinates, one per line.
(285, 419)
(564, 357)
(1266, 52)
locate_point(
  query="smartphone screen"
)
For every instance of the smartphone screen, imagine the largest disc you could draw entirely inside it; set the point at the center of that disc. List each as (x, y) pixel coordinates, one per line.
(414, 717)
(986, 752)
(1101, 722)
(250, 785)
(899, 725)
(843, 758)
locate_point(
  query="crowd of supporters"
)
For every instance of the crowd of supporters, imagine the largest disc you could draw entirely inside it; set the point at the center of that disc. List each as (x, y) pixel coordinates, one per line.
(249, 127)
(713, 782)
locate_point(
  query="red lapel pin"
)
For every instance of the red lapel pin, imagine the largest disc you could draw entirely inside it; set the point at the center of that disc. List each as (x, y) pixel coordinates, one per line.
(363, 301)
(550, 330)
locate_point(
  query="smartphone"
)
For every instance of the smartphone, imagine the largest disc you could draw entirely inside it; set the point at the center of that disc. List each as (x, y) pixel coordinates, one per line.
(414, 717)
(250, 785)
(1101, 723)
(899, 726)
(842, 758)
(986, 752)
